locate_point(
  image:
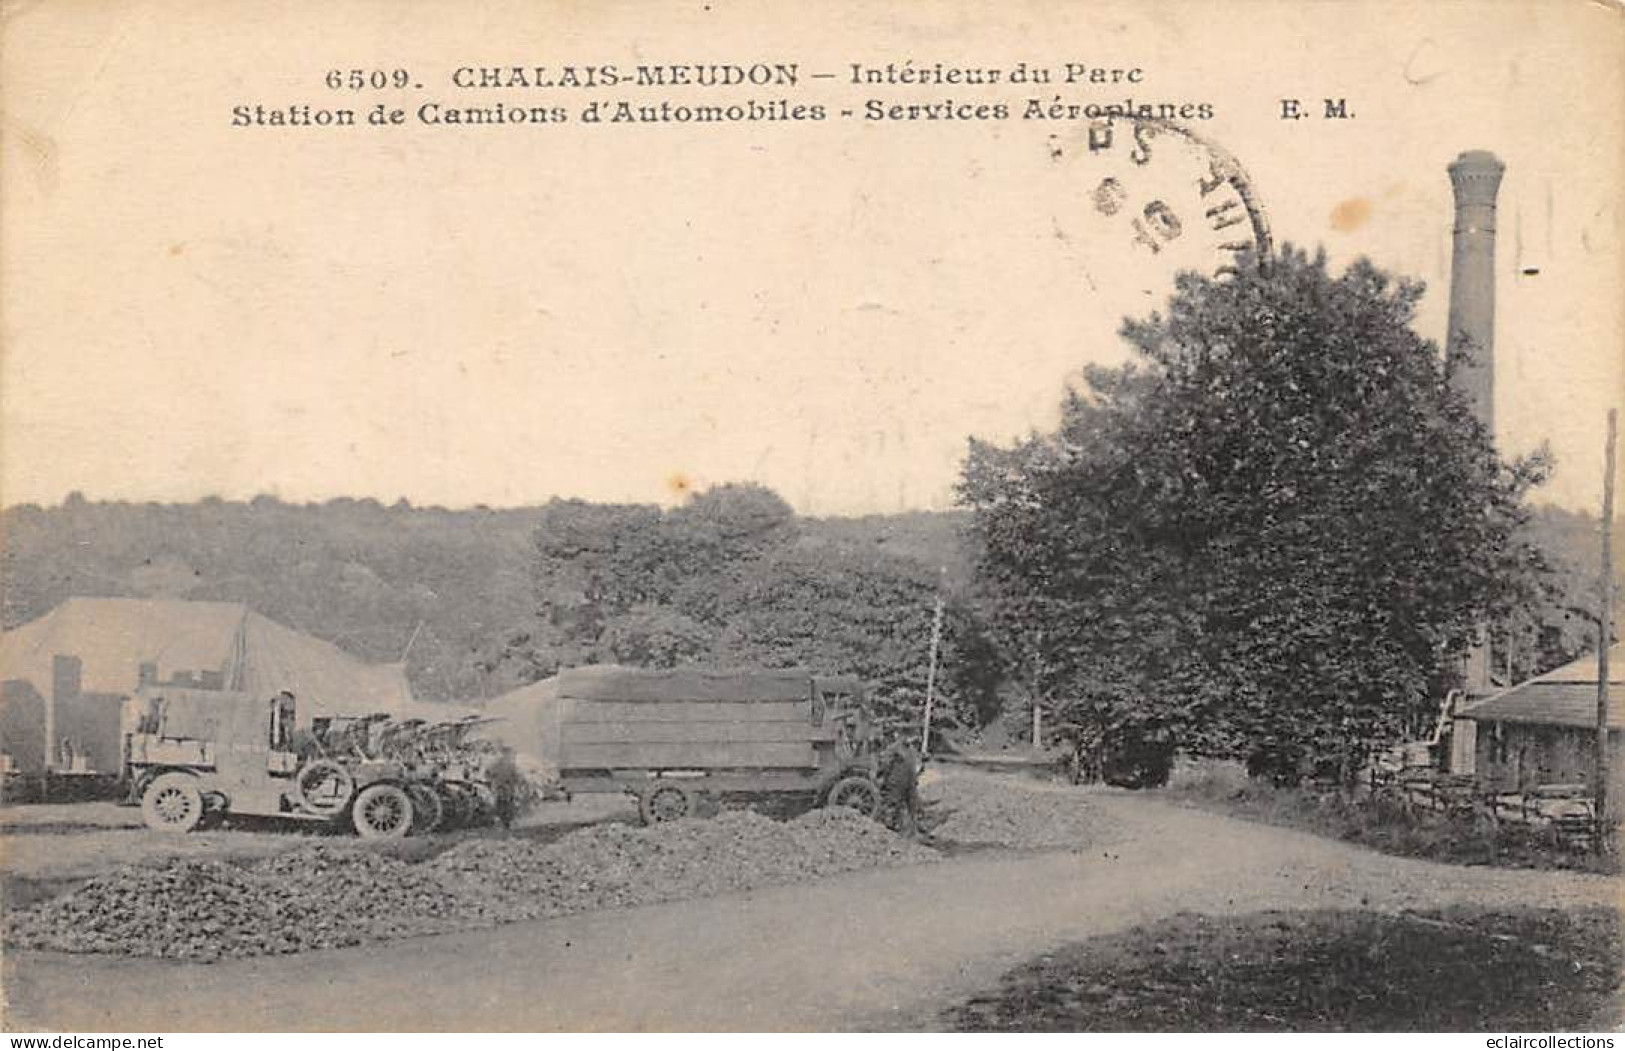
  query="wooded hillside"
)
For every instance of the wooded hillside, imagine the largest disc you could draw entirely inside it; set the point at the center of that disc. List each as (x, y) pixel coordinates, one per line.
(356, 572)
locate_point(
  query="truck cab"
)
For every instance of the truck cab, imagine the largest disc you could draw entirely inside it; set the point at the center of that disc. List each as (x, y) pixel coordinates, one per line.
(236, 746)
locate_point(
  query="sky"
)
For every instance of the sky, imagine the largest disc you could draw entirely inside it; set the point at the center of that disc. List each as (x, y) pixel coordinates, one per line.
(502, 315)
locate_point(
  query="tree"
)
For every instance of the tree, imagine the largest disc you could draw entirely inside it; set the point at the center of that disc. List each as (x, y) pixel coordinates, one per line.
(864, 613)
(1270, 534)
(1561, 624)
(737, 520)
(719, 535)
(728, 579)
(594, 562)
(656, 637)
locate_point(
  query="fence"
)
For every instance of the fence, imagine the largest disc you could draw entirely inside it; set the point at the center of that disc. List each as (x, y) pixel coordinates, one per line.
(1568, 811)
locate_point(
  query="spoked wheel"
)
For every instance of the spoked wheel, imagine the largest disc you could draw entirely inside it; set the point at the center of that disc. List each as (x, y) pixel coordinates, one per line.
(427, 810)
(665, 803)
(382, 811)
(856, 793)
(172, 803)
(324, 787)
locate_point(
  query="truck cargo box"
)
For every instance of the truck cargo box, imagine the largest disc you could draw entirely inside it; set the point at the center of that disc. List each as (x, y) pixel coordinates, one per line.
(668, 736)
(695, 719)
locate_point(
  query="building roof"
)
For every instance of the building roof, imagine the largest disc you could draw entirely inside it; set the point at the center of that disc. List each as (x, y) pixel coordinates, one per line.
(1584, 669)
(1565, 696)
(113, 637)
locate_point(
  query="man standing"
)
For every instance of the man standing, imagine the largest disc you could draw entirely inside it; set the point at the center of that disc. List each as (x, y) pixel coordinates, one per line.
(900, 789)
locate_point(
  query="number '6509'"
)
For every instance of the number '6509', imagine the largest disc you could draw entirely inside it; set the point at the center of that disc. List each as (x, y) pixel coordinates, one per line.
(364, 79)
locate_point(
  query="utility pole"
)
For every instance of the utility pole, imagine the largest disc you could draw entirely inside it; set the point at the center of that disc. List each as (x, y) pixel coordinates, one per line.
(1605, 632)
(931, 678)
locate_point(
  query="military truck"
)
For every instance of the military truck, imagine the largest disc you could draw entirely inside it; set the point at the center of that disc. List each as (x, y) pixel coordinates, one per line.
(673, 737)
(196, 754)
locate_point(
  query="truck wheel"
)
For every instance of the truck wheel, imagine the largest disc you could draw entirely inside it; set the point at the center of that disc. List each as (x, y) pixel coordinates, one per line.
(215, 808)
(323, 787)
(138, 787)
(455, 807)
(665, 803)
(484, 806)
(857, 793)
(172, 803)
(427, 811)
(382, 811)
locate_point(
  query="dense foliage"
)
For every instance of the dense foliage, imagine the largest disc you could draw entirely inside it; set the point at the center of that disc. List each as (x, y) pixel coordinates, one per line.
(370, 578)
(1272, 533)
(732, 578)
(1560, 622)
(458, 591)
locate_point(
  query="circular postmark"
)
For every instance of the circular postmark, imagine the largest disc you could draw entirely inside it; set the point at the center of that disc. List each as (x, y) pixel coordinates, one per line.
(1162, 199)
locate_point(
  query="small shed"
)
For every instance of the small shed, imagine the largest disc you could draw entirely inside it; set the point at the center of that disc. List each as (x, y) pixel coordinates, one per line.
(1543, 731)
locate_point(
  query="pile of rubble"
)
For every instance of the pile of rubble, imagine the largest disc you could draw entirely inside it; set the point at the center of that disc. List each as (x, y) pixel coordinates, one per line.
(380, 897)
(199, 910)
(609, 866)
(327, 897)
(976, 810)
(316, 898)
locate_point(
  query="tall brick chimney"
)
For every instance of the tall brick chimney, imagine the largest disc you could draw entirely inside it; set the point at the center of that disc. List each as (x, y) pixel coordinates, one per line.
(1476, 179)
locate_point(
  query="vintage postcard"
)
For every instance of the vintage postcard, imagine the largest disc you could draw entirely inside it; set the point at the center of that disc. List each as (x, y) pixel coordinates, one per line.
(720, 516)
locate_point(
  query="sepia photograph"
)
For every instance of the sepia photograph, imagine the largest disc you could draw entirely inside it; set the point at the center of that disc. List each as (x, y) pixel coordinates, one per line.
(749, 517)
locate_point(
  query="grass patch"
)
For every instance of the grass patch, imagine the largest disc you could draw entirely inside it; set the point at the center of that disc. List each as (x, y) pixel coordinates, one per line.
(1452, 970)
(1381, 824)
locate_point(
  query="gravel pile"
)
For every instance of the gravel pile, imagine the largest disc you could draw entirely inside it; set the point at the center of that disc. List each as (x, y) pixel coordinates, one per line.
(326, 897)
(986, 811)
(379, 897)
(316, 898)
(194, 910)
(608, 866)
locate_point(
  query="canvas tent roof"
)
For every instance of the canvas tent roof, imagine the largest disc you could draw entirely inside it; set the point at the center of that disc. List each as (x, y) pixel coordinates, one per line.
(527, 719)
(113, 637)
(1565, 696)
(611, 682)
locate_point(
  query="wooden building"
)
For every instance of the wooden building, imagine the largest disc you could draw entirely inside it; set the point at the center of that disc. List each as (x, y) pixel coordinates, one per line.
(1543, 731)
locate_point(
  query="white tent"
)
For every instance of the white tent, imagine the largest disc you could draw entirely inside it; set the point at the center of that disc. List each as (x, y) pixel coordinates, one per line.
(114, 637)
(218, 645)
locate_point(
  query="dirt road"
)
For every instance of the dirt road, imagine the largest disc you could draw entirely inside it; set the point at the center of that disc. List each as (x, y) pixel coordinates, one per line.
(879, 949)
